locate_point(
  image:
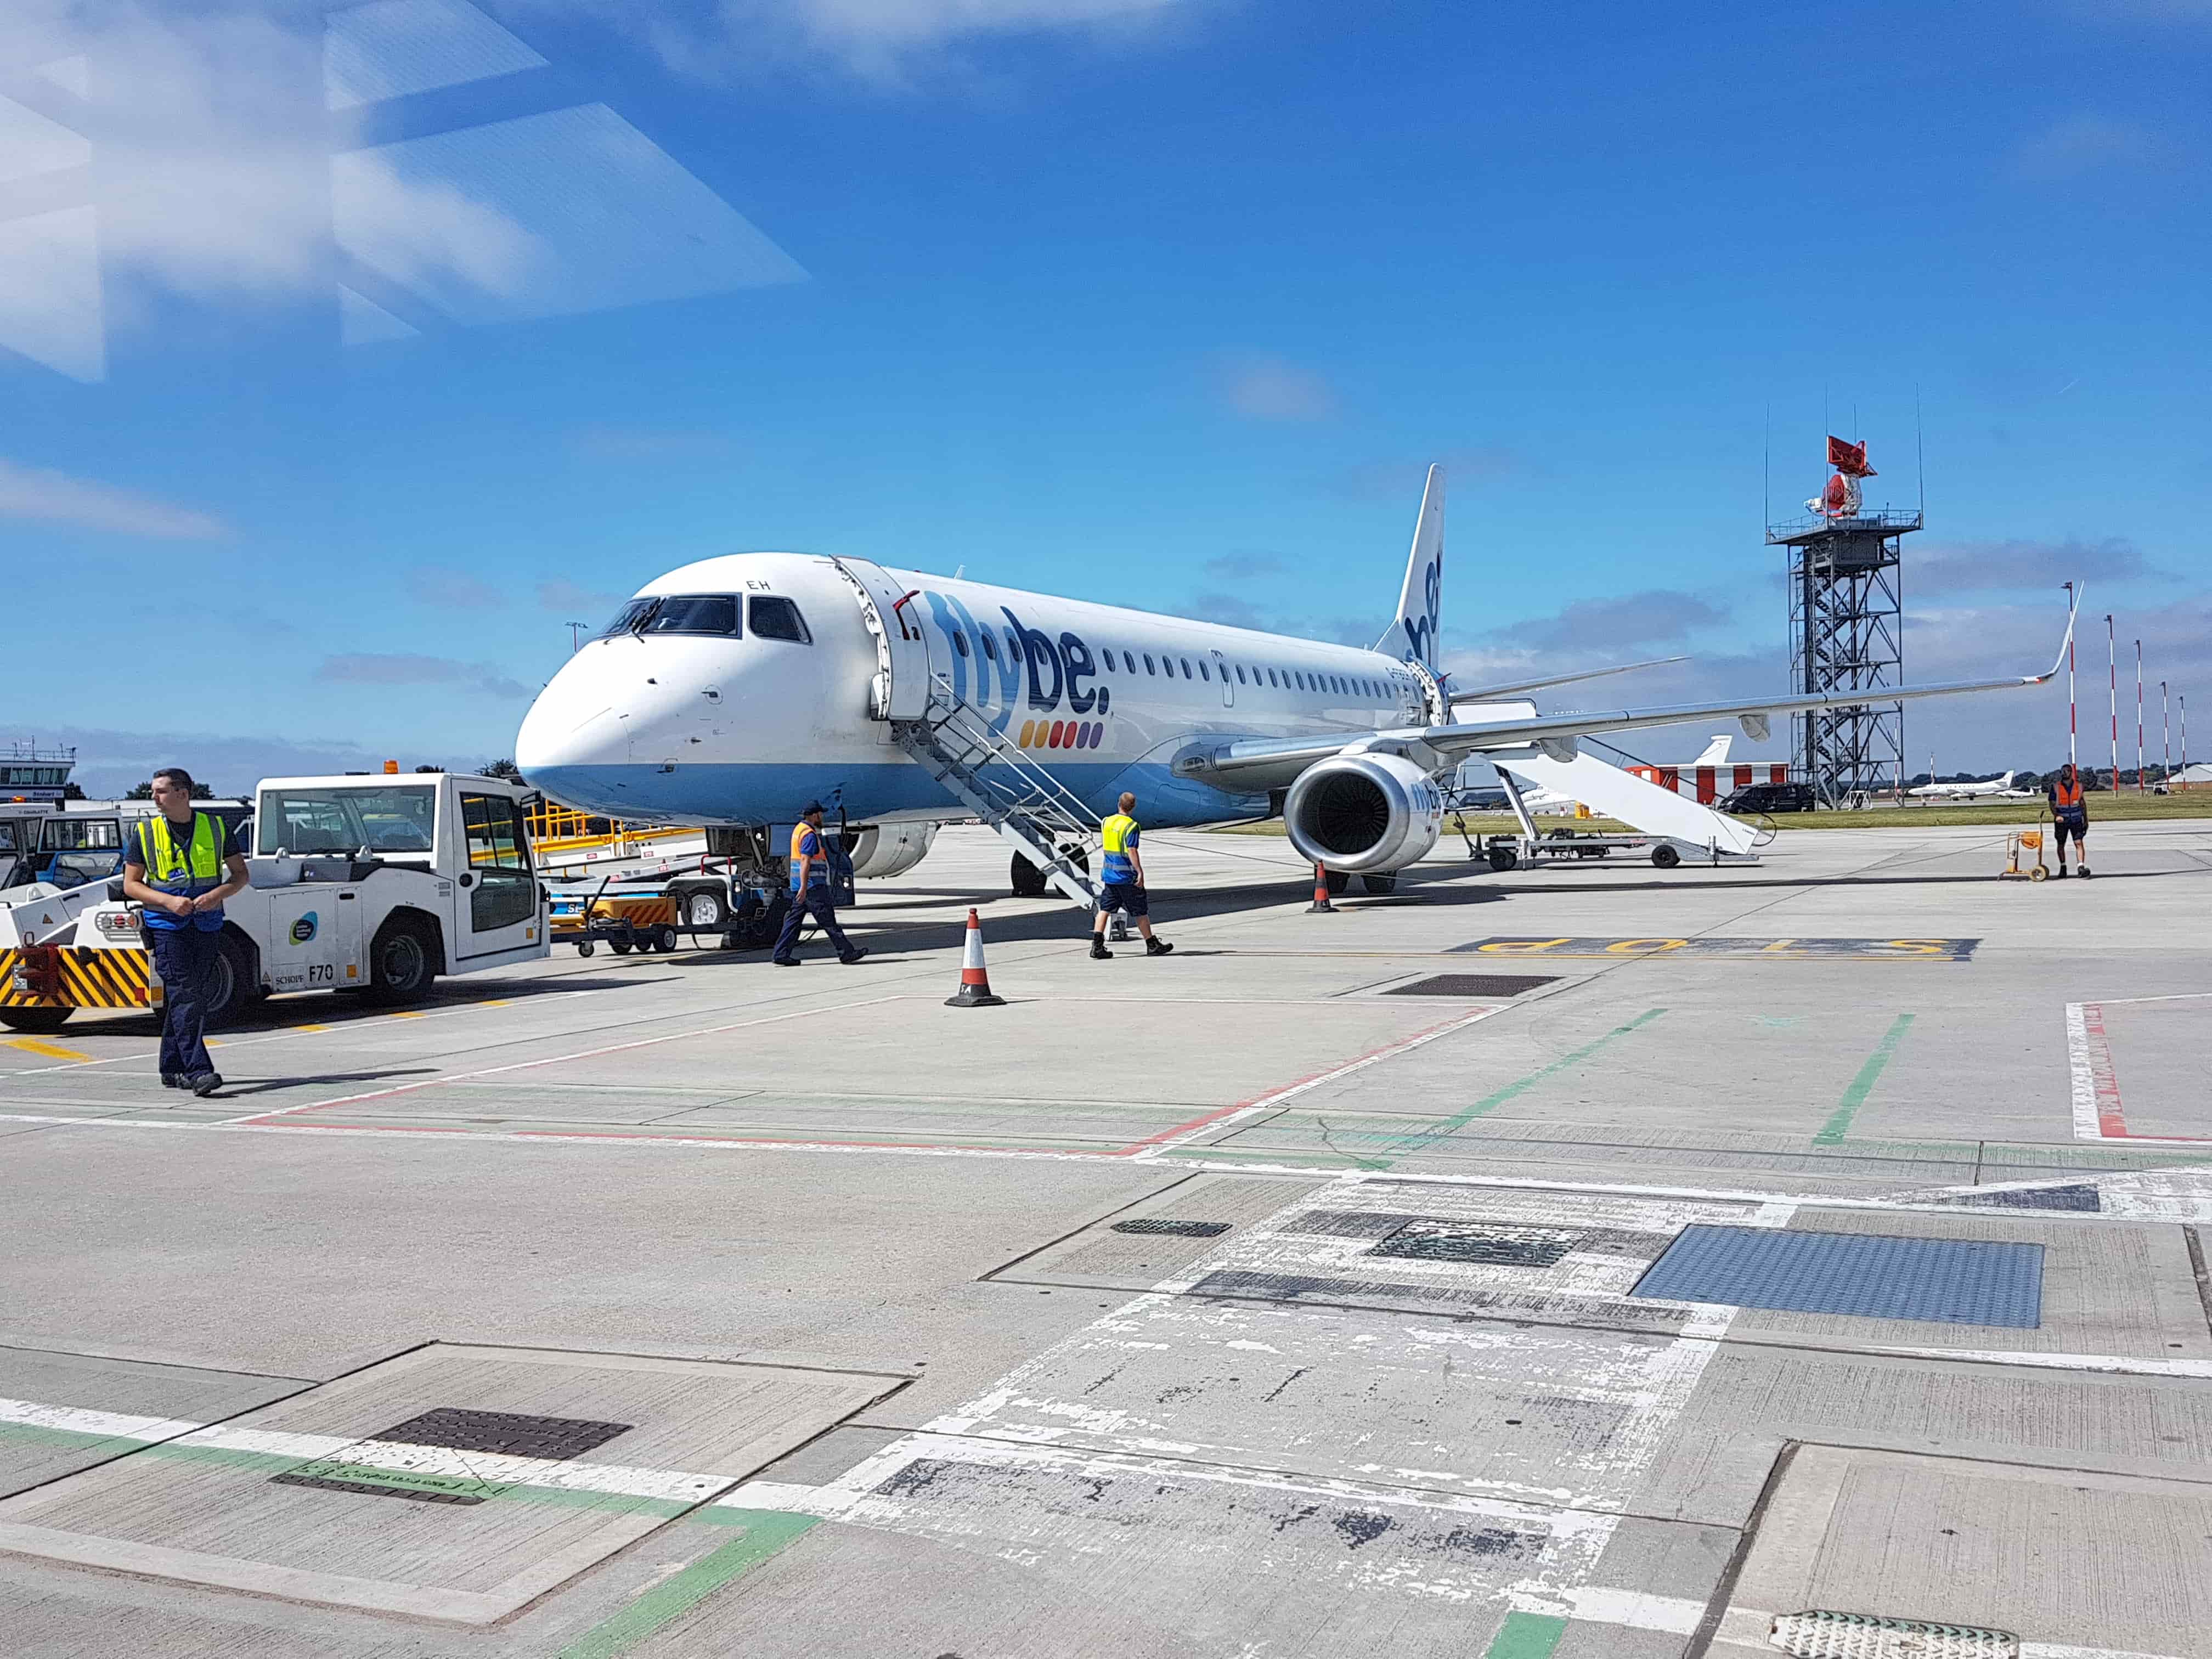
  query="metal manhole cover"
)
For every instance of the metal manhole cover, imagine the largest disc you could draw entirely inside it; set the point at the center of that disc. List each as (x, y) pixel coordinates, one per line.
(1953, 1281)
(1471, 985)
(1496, 1245)
(1180, 1229)
(1822, 1634)
(453, 1428)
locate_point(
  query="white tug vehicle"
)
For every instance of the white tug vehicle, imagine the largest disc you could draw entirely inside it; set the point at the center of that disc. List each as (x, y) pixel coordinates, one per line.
(374, 883)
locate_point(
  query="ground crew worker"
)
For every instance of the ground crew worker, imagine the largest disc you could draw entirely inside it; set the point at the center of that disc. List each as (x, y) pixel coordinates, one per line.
(1122, 883)
(2069, 816)
(809, 891)
(180, 866)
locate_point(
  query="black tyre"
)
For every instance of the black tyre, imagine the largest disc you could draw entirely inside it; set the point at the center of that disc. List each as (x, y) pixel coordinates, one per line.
(402, 961)
(235, 985)
(756, 924)
(702, 910)
(1339, 881)
(38, 1021)
(621, 947)
(1383, 884)
(1028, 880)
(585, 947)
(664, 939)
(1503, 858)
(1665, 857)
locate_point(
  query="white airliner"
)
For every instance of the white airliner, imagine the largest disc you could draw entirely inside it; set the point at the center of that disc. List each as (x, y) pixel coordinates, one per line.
(1969, 791)
(731, 691)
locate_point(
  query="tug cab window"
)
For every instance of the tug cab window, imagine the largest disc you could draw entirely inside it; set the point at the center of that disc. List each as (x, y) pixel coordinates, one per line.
(774, 617)
(695, 613)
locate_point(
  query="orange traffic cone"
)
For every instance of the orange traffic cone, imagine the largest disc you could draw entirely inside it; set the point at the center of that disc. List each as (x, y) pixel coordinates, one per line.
(1321, 892)
(974, 980)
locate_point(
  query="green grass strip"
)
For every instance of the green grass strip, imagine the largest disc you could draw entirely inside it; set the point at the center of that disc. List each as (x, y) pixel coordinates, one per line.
(766, 1533)
(1839, 1121)
(1526, 1636)
(1490, 1103)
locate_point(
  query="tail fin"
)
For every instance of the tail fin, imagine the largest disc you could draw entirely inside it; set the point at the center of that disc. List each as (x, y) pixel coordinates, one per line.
(1717, 752)
(1413, 636)
(2005, 782)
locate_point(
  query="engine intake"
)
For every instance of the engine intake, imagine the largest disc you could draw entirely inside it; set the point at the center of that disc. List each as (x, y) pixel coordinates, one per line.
(1364, 814)
(888, 849)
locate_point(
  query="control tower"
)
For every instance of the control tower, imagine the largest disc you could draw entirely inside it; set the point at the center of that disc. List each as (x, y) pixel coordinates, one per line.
(1847, 631)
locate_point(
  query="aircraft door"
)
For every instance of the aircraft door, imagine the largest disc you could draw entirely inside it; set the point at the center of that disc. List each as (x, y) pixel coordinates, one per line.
(900, 689)
(1228, 686)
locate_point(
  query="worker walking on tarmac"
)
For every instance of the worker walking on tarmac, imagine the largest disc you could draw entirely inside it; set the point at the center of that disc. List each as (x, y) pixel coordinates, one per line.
(179, 866)
(809, 891)
(2069, 816)
(1122, 883)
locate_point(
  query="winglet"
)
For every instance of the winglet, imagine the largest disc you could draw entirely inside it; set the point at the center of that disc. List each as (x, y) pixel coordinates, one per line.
(2059, 661)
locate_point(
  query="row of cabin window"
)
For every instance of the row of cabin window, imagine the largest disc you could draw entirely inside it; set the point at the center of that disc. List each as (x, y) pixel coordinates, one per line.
(1287, 678)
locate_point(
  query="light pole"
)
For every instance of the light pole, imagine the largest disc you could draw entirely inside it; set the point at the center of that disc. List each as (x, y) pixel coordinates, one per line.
(2165, 736)
(2139, 743)
(2184, 739)
(2112, 689)
(575, 637)
(2070, 721)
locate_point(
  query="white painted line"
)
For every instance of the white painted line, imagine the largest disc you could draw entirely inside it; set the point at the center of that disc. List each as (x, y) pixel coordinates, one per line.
(556, 1060)
(2084, 1079)
(614, 1479)
(1748, 1627)
(1674, 1614)
(2116, 1364)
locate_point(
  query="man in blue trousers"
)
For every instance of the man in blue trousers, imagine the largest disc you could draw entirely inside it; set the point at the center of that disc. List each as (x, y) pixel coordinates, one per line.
(181, 865)
(809, 891)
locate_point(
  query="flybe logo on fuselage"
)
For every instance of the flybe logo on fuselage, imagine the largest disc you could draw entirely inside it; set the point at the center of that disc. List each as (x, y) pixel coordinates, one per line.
(995, 662)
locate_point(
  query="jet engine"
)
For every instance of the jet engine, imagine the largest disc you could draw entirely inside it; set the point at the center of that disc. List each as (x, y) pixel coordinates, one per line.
(1364, 814)
(888, 849)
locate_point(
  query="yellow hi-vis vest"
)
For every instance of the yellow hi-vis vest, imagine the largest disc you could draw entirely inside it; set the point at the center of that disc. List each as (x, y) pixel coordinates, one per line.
(1115, 835)
(194, 868)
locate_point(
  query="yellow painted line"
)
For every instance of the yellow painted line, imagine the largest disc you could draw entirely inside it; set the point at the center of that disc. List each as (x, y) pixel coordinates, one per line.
(311, 1028)
(406, 1014)
(50, 1050)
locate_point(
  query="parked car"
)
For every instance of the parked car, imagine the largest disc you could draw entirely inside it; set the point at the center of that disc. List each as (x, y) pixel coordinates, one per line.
(1771, 798)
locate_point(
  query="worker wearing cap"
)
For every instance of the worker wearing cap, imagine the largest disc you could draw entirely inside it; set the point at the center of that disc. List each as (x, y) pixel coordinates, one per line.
(2069, 816)
(179, 866)
(1123, 879)
(809, 891)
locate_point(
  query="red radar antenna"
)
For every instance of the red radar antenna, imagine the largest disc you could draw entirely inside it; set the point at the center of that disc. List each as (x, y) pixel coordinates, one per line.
(1840, 499)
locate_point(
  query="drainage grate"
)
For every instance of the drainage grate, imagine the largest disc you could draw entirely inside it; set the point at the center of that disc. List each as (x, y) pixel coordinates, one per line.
(2080, 1197)
(451, 1428)
(1821, 1634)
(1471, 985)
(506, 1432)
(1872, 1275)
(1498, 1245)
(1180, 1229)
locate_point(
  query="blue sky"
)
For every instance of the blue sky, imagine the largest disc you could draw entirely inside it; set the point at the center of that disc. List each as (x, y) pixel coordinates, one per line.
(1161, 302)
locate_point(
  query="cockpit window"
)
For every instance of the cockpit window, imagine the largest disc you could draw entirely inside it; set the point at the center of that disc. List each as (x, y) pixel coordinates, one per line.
(778, 618)
(629, 617)
(695, 613)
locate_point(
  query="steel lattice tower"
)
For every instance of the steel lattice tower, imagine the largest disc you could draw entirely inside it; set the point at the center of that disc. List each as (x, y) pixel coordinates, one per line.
(1847, 633)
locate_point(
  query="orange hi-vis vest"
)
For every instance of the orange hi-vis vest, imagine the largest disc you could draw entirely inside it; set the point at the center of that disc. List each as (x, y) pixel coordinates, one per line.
(2064, 795)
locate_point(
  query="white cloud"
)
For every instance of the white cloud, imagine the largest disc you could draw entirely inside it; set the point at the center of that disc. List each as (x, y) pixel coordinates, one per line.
(2082, 144)
(1266, 387)
(50, 307)
(29, 492)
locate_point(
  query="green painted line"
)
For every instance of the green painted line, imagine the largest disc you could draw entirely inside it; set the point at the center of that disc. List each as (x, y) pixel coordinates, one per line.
(1526, 1636)
(767, 1532)
(1490, 1103)
(1839, 1121)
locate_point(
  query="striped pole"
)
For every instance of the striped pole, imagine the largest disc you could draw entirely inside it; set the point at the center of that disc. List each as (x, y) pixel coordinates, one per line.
(974, 981)
(1321, 904)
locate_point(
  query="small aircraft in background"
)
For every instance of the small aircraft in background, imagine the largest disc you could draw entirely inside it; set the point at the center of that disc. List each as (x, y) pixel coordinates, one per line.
(1989, 789)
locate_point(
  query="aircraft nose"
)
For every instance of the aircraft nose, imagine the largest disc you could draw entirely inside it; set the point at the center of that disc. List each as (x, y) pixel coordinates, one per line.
(571, 736)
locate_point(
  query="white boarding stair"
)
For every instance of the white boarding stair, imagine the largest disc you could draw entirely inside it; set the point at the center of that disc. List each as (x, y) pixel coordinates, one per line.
(1030, 810)
(1607, 789)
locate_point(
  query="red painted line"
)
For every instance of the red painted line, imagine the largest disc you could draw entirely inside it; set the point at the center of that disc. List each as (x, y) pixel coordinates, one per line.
(2111, 1122)
(1285, 1091)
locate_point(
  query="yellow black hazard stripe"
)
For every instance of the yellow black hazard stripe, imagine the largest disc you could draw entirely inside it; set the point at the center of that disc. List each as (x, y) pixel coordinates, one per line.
(73, 976)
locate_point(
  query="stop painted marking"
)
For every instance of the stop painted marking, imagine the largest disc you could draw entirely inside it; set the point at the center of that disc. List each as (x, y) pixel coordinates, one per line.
(1856, 950)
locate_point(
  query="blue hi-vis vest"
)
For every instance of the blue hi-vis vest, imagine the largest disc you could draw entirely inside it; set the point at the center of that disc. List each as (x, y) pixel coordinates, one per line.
(189, 871)
(1115, 837)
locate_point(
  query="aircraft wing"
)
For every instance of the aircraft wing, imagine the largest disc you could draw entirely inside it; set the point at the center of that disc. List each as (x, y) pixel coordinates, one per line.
(1270, 763)
(1492, 693)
